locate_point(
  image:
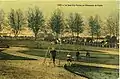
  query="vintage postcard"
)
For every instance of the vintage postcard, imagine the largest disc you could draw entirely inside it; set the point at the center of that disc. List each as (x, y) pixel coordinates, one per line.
(59, 39)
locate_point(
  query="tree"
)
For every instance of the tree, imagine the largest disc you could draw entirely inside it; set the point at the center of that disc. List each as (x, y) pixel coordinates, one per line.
(2, 17)
(35, 20)
(56, 22)
(97, 26)
(91, 24)
(70, 22)
(94, 24)
(78, 22)
(16, 21)
(75, 22)
(113, 25)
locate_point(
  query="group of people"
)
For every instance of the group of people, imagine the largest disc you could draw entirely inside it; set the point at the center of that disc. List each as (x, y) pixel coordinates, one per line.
(69, 56)
(53, 54)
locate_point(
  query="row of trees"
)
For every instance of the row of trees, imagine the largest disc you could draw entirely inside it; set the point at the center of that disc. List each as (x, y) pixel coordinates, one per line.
(35, 20)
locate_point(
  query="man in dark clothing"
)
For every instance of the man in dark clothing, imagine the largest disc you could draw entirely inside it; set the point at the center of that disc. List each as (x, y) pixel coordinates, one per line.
(87, 54)
(77, 55)
(53, 55)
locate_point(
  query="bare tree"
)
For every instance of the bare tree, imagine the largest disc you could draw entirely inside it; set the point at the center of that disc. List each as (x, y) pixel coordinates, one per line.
(16, 20)
(113, 25)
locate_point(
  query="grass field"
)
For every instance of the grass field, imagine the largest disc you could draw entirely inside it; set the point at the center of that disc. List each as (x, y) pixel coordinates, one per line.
(96, 57)
(28, 69)
(94, 72)
(23, 60)
(45, 44)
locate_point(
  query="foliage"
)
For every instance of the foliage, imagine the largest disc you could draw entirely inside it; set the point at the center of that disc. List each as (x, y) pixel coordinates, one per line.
(75, 22)
(35, 20)
(56, 22)
(113, 24)
(110, 39)
(2, 17)
(16, 20)
(70, 22)
(78, 22)
(94, 23)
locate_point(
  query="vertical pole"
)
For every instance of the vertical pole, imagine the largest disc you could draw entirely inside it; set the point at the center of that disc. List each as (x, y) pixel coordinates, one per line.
(59, 55)
(45, 57)
(59, 49)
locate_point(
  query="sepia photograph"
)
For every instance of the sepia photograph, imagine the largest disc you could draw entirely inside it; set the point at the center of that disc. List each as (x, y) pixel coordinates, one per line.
(59, 39)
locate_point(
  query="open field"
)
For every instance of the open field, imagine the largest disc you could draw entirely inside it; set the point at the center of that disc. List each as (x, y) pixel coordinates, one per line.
(39, 48)
(32, 69)
(24, 60)
(96, 57)
(20, 66)
(94, 72)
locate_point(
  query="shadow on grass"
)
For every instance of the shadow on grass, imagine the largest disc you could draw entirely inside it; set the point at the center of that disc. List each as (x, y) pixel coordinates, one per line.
(91, 72)
(5, 56)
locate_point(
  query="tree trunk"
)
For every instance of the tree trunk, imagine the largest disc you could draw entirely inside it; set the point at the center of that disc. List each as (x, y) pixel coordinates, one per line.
(72, 38)
(16, 34)
(110, 31)
(35, 36)
(92, 37)
(77, 38)
(97, 39)
(0, 27)
(117, 32)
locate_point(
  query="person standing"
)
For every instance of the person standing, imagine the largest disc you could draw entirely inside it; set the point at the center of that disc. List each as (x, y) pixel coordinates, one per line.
(53, 55)
(69, 58)
(87, 54)
(77, 55)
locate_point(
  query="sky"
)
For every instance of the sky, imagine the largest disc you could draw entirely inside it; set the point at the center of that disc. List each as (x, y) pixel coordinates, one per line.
(48, 6)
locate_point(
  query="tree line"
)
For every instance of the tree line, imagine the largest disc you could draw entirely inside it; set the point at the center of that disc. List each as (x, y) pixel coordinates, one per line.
(58, 24)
